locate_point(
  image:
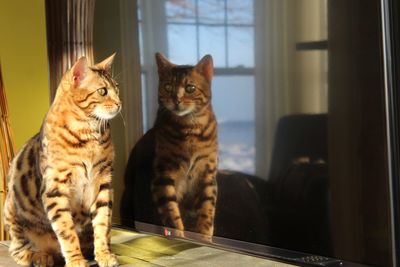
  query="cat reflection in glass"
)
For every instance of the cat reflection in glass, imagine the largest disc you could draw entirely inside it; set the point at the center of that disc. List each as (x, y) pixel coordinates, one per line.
(184, 186)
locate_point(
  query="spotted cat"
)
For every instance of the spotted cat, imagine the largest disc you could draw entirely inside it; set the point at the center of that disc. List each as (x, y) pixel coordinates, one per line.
(184, 186)
(58, 208)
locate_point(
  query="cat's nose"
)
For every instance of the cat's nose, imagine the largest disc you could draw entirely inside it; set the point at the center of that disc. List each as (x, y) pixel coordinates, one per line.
(178, 101)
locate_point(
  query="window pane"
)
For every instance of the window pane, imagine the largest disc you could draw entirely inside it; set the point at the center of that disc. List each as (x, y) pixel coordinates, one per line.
(212, 11)
(233, 103)
(141, 42)
(144, 103)
(180, 10)
(139, 10)
(240, 11)
(212, 41)
(182, 45)
(241, 46)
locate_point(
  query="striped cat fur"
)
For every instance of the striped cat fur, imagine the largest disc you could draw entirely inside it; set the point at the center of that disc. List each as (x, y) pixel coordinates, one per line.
(184, 186)
(59, 204)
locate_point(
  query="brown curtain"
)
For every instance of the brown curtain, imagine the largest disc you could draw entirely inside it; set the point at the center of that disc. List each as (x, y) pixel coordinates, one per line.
(69, 36)
(6, 152)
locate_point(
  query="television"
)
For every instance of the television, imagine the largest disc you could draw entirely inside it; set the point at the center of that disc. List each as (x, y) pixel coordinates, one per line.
(306, 95)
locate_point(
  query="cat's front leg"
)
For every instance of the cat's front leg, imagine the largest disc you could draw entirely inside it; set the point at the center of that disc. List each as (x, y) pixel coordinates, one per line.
(206, 200)
(165, 198)
(56, 201)
(101, 212)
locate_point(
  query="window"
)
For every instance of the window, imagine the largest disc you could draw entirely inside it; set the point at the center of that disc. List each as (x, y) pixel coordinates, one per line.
(194, 28)
(266, 73)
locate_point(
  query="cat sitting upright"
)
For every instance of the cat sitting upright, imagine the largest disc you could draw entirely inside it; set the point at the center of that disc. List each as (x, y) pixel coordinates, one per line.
(60, 194)
(184, 186)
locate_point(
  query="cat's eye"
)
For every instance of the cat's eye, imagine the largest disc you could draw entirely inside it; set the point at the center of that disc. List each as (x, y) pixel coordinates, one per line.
(102, 91)
(168, 87)
(190, 88)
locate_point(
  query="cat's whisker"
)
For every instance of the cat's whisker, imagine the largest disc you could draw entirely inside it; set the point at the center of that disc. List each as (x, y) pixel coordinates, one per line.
(99, 125)
(116, 77)
(193, 119)
(123, 119)
(100, 121)
(105, 125)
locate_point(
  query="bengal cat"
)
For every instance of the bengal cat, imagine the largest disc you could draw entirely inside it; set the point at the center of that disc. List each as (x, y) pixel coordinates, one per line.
(184, 187)
(60, 195)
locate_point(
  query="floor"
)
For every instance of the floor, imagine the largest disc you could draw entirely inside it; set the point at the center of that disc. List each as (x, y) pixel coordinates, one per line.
(142, 250)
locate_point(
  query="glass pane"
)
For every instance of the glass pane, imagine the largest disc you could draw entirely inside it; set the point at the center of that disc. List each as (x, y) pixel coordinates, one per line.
(233, 103)
(139, 9)
(240, 11)
(141, 42)
(303, 143)
(212, 41)
(144, 104)
(212, 11)
(241, 46)
(180, 10)
(182, 45)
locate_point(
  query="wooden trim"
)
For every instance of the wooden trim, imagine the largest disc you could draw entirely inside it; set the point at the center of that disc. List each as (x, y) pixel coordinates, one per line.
(7, 149)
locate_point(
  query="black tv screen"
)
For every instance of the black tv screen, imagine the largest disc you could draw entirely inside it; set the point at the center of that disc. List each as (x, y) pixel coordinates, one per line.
(304, 95)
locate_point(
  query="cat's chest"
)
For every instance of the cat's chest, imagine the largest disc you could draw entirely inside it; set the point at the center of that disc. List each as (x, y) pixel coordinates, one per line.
(93, 149)
(87, 176)
(188, 178)
(185, 186)
(85, 186)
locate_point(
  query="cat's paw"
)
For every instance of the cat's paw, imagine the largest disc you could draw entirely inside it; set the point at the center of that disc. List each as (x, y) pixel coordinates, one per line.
(206, 238)
(179, 233)
(37, 259)
(40, 259)
(22, 257)
(106, 259)
(77, 263)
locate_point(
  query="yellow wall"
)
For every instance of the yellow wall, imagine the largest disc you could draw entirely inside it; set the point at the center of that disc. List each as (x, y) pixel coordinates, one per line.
(23, 58)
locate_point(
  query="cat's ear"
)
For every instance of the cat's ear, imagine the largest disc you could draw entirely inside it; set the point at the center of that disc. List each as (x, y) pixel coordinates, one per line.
(79, 71)
(206, 67)
(162, 62)
(106, 63)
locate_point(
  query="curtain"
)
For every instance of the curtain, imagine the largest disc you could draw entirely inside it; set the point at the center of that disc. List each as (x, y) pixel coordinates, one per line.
(272, 77)
(288, 80)
(69, 26)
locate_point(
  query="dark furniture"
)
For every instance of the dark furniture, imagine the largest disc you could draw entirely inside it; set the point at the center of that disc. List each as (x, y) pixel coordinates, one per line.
(290, 209)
